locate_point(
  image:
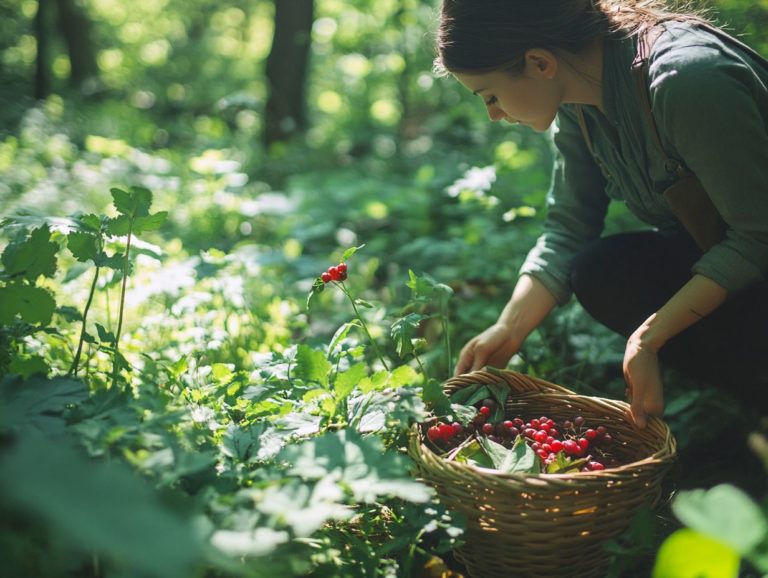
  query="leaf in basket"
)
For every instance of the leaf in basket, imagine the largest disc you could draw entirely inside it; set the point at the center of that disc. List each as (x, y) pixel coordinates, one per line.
(499, 392)
(464, 415)
(473, 454)
(520, 459)
(480, 394)
(562, 465)
(462, 395)
(435, 398)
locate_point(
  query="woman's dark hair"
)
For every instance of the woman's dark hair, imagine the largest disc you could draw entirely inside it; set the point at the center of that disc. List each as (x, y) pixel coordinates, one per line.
(477, 36)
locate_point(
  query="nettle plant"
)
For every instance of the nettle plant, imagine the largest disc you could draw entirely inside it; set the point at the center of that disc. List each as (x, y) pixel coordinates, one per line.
(28, 306)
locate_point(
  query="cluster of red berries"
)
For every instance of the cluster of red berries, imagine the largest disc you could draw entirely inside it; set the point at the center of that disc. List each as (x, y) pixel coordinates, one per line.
(335, 273)
(547, 438)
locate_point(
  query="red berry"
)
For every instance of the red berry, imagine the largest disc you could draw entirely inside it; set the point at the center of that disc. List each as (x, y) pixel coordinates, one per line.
(595, 466)
(542, 454)
(553, 432)
(485, 410)
(326, 277)
(334, 273)
(514, 432)
(570, 447)
(508, 424)
(601, 431)
(557, 446)
(545, 425)
(583, 443)
(567, 424)
(446, 431)
(546, 447)
(606, 439)
(529, 432)
(342, 276)
(457, 428)
(578, 421)
(535, 424)
(518, 422)
(342, 268)
(488, 428)
(433, 433)
(590, 434)
(540, 436)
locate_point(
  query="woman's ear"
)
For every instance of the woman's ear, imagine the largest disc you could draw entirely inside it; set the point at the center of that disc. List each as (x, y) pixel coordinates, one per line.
(540, 63)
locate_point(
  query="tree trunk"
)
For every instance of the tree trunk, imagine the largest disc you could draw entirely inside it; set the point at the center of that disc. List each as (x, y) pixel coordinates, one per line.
(286, 72)
(75, 28)
(42, 58)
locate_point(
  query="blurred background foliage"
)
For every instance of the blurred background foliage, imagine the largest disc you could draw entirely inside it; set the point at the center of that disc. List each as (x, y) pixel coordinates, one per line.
(357, 142)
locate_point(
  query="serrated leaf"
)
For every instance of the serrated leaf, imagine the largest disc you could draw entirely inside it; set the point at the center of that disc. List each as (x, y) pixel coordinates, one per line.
(151, 222)
(118, 226)
(33, 304)
(311, 365)
(473, 454)
(725, 513)
(105, 336)
(689, 554)
(32, 257)
(403, 376)
(83, 246)
(133, 203)
(464, 415)
(28, 365)
(39, 403)
(404, 330)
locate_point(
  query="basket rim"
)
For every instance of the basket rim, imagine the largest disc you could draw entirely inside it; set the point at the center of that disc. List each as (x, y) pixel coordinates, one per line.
(663, 457)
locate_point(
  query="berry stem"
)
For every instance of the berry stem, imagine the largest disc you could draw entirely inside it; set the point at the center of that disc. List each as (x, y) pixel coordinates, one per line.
(340, 284)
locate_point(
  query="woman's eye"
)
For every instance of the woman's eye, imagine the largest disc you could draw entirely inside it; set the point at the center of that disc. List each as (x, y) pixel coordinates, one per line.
(491, 101)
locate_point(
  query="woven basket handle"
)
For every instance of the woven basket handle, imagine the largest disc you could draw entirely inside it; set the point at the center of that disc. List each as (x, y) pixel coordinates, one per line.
(517, 382)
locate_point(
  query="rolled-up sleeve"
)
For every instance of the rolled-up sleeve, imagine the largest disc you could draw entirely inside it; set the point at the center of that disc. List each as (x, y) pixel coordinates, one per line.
(576, 208)
(712, 110)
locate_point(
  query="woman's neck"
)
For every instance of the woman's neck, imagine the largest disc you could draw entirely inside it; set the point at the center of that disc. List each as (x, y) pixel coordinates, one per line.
(582, 75)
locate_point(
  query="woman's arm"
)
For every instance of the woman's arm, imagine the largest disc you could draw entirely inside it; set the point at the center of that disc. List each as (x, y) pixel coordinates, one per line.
(694, 301)
(530, 303)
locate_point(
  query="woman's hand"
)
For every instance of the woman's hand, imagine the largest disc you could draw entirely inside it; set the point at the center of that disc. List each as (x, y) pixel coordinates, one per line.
(641, 371)
(495, 346)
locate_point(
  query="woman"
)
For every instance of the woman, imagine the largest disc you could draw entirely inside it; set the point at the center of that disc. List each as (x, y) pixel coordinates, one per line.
(699, 110)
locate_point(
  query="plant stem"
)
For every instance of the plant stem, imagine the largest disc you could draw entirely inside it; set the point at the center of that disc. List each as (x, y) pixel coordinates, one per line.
(365, 327)
(115, 368)
(444, 318)
(73, 370)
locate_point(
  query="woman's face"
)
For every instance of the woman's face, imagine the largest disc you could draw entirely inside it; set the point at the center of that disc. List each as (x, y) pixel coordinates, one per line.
(531, 98)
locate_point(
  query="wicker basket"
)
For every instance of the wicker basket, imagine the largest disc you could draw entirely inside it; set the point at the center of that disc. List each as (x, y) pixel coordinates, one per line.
(548, 525)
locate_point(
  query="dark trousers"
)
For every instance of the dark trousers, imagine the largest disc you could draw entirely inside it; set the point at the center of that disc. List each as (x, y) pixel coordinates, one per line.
(620, 280)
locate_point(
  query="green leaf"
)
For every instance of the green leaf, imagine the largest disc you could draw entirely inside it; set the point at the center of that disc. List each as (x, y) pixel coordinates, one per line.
(364, 304)
(151, 222)
(402, 376)
(83, 246)
(347, 380)
(724, 513)
(317, 287)
(520, 459)
(105, 336)
(473, 454)
(404, 330)
(39, 403)
(32, 304)
(32, 257)
(135, 203)
(357, 463)
(435, 398)
(349, 252)
(311, 365)
(689, 554)
(28, 365)
(341, 334)
(100, 508)
(481, 393)
(462, 395)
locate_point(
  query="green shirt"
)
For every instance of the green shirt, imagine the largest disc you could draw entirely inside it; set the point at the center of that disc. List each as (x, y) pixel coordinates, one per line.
(710, 103)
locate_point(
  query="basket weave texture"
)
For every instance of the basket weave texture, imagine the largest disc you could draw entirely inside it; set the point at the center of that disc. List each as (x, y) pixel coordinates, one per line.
(548, 525)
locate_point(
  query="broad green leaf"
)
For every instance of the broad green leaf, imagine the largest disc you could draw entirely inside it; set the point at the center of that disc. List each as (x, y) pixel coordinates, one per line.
(462, 395)
(464, 415)
(32, 257)
(347, 380)
(33, 304)
(482, 393)
(404, 330)
(84, 246)
(101, 508)
(434, 396)
(520, 459)
(402, 376)
(357, 463)
(317, 287)
(28, 365)
(151, 222)
(378, 380)
(724, 513)
(689, 554)
(473, 454)
(311, 365)
(133, 203)
(105, 336)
